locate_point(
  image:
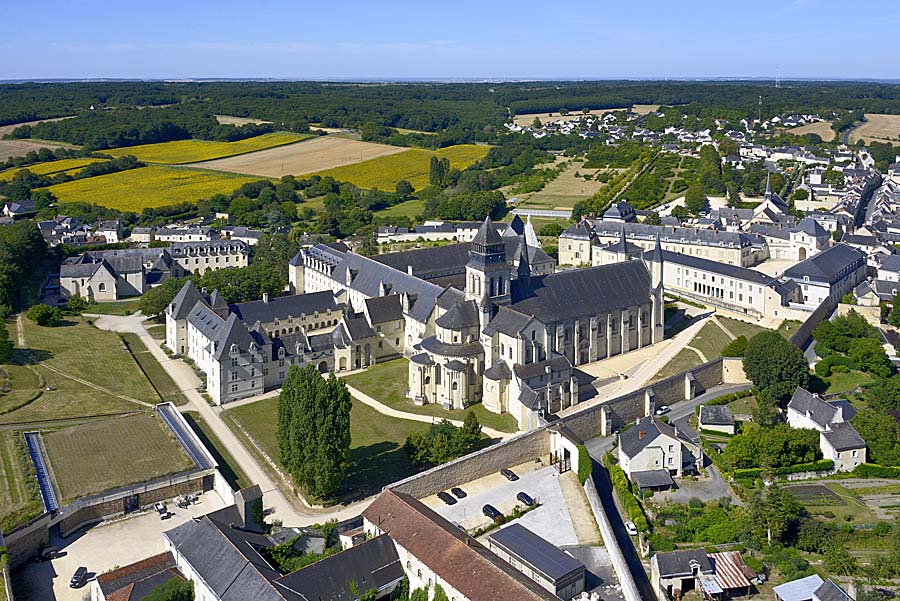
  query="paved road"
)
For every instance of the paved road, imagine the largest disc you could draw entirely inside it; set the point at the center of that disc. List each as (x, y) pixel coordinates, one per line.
(291, 514)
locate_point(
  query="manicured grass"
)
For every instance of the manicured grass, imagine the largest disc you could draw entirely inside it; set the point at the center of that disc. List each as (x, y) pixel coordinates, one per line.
(192, 151)
(845, 382)
(683, 361)
(710, 341)
(152, 186)
(740, 328)
(409, 208)
(228, 467)
(412, 165)
(19, 496)
(50, 167)
(386, 382)
(376, 454)
(159, 378)
(743, 406)
(789, 327)
(158, 331)
(21, 385)
(125, 307)
(91, 458)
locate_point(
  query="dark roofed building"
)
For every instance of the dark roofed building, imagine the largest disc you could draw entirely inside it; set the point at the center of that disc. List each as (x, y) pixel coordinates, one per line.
(546, 564)
(654, 445)
(717, 418)
(830, 274)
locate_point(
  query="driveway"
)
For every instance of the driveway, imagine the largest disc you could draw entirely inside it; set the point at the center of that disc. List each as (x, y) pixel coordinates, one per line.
(102, 548)
(711, 488)
(551, 521)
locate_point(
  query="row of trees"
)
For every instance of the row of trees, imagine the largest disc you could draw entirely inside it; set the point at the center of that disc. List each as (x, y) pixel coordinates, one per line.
(443, 441)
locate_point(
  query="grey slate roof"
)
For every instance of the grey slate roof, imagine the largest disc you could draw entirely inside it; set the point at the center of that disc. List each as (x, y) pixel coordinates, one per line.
(891, 263)
(358, 327)
(281, 307)
(811, 227)
(843, 437)
(234, 332)
(538, 554)
(631, 442)
(733, 271)
(652, 479)
(829, 591)
(497, 371)
(716, 415)
(487, 234)
(204, 319)
(468, 349)
(642, 231)
(371, 565)
(826, 265)
(507, 321)
(679, 563)
(383, 309)
(532, 370)
(580, 292)
(820, 411)
(460, 316)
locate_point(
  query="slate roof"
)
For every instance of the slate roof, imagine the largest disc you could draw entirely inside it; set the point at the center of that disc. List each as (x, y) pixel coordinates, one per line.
(205, 319)
(487, 234)
(630, 441)
(826, 265)
(358, 326)
(281, 307)
(732, 271)
(460, 316)
(234, 332)
(716, 415)
(580, 292)
(382, 309)
(891, 263)
(678, 563)
(652, 479)
(460, 560)
(829, 591)
(532, 370)
(371, 565)
(820, 411)
(643, 231)
(497, 371)
(507, 321)
(537, 553)
(448, 349)
(844, 437)
(811, 227)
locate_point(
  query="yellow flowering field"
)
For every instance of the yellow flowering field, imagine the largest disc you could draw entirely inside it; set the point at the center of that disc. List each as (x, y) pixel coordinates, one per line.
(412, 165)
(192, 151)
(50, 167)
(151, 186)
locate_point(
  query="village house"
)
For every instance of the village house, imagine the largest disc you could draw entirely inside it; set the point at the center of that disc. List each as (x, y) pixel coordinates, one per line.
(651, 445)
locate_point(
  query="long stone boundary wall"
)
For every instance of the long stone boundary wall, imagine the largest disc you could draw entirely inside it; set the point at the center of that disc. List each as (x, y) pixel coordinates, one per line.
(803, 335)
(585, 424)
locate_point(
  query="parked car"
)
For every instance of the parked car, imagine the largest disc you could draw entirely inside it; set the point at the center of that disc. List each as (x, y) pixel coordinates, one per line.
(78, 578)
(48, 554)
(446, 498)
(631, 529)
(458, 492)
(491, 512)
(509, 475)
(525, 499)
(160, 507)
(662, 410)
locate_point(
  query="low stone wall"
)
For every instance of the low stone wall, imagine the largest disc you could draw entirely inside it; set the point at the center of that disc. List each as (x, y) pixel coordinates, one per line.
(513, 451)
(27, 540)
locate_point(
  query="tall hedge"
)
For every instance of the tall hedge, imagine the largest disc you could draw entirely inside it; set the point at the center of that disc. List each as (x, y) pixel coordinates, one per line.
(585, 465)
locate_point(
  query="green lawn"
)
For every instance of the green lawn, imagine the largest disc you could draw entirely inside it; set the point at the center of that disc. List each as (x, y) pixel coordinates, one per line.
(741, 328)
(19, 496)
(386, 382)
(683, 361)
(160, 379)
(158, 331)
(789, 327)
(227, 465)
(409, 208)
(20, 385)
(743, 406)
(376, 453)
(125, 307)
(845, 382)
(710, 341)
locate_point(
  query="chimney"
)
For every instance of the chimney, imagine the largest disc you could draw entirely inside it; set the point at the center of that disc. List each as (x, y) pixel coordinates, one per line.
(641, 435)
(409, 269)
(265, 297)
(245, 500)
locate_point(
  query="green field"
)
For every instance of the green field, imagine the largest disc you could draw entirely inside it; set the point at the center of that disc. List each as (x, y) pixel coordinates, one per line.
(153, 186)
(193, 151)
(228, 467)
(742, 328)
(710, 341)
(19, 496)
(20, 385)
(412, 165)
(683, 361)
(376, 449)
(91, 458)
(386, 382)
(50, 167)
(77, 350)
(159, 378)
(124, 307)
(409, 208)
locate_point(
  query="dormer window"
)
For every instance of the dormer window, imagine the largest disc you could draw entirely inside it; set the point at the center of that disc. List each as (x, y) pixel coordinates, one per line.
(233, 350)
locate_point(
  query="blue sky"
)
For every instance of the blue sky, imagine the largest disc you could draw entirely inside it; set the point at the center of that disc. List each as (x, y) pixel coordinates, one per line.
(455, 39)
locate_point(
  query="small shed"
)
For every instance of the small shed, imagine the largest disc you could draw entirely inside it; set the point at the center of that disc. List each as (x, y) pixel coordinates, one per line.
(716, 418)
(653, 480)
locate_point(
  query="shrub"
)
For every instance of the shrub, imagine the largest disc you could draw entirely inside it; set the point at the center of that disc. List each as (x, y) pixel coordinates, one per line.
(585, 465)
(44, 315)
(826, 366)
(871, 470)
(735, 348)
(753, 563)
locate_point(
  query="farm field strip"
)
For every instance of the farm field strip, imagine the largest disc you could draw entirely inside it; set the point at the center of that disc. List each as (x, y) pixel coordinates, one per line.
(151, 186)
(230, 120)
(193, 151)
(324, 152)
(17, 148)
(17, 502)
(411, 165)
(821, 128)
(877, 128)
(50, 167)
(98, 456)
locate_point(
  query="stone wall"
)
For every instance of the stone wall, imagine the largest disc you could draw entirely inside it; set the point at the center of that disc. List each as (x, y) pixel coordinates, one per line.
(513, 451)
(803, 335)
(28, 540)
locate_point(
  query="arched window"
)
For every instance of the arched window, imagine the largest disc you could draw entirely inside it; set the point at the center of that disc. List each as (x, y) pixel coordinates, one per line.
(455, 386)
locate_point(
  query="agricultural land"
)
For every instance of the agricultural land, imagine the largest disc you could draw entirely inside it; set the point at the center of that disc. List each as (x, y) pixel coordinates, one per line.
(19, 496)
(239, 121)
(151, 186)
(576, 113)
(573, 184)
(878, 128)
(193, 151)
(14, 148)
(325, 152)
(91, 458)
(820, 128)
(70, 166)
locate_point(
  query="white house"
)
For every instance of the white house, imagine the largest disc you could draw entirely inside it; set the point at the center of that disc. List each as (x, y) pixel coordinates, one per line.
(651, 445)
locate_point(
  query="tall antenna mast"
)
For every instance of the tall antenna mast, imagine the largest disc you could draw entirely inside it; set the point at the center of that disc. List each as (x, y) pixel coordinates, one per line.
(760, 110)
(777, 76)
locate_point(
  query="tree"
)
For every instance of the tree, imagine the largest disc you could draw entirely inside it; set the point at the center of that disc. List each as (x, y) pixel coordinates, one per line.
(735, 348)
(551, 230)
(800, 194)
(439, 594)
(728, 146)
(313, 429)
(536, 124)
(175, 589)
(770, 360)
(471, 430)
(404, 188)
(155, 300)
(894, 315)
(695, 199)
(652, 218)
(680, 212)
(839, 561)
(884, 394)
(734, 197)
(773, 513)
(6, 346)
(44, 315)
(869, 355)
(833, 177)
(882, 435)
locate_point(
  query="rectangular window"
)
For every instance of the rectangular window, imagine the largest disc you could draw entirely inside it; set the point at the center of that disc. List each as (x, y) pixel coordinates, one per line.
(234, 376)
(234, 387)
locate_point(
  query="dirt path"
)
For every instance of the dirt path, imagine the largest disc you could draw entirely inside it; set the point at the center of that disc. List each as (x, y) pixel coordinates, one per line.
(699, 353)
(583, 521)
(723, 328)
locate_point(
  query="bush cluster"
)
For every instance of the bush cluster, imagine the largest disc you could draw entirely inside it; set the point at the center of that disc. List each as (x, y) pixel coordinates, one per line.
(629, 502)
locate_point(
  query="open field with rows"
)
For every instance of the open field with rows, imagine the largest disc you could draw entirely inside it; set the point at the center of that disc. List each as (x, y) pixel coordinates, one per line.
(50, 167)
(878, 128)
(152, 186)
(565, 190)
(91, 458)
(239, 121)
(15, 148)
(412, 165)
(193, 151)
(321, 153)
(19, 498)
(821, 128)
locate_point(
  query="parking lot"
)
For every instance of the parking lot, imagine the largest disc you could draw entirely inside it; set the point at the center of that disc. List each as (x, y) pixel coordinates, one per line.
(101, 548)
(551, 521)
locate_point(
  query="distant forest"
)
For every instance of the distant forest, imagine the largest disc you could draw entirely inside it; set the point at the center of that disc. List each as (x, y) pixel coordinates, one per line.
(458, 113)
